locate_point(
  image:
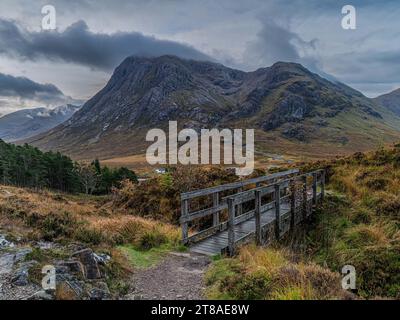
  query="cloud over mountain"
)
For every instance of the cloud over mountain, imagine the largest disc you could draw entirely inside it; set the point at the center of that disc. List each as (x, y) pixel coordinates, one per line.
(19, 92)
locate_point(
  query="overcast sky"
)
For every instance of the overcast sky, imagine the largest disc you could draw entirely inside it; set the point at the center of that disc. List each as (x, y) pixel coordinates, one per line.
(70, 64)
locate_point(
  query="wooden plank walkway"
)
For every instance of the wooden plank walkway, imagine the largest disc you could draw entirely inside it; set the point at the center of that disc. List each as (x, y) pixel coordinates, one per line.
(218, 243)
(222, 237)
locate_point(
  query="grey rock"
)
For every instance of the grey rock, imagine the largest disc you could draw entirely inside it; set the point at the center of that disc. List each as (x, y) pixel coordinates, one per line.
(42, 295)
(86, 257)
(5, 243)
(100, 292)
(6, 263)
(22, 253)
(71, 266)
(101, 258)
(21, 275)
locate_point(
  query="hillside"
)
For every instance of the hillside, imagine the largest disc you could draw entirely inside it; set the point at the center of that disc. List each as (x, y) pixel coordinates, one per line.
(357, 225)
(391, 101)
(24, 124)
(294, 111)
(136, 230)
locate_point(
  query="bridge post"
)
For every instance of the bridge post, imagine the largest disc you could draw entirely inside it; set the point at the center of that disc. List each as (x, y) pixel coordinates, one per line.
(185, 225)
(231, 226)
(258, 217)
(292, 204)
(323, 178)
(240, 205)
(314, 188)
(305, 197)
(277, 211)
(215, 205)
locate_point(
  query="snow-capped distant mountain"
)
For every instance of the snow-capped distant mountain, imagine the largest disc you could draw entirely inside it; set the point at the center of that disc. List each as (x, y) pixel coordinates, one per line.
(23, 124)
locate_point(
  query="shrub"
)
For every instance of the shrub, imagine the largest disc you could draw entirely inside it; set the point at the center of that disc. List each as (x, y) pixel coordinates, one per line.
(56, 225)
(361, 216)
(389, 206)
(152, 239)
(89, 235)
(118, 272)
(159, 198)
(376, 183)
(259, 273)
(253, 286)
(324, 283)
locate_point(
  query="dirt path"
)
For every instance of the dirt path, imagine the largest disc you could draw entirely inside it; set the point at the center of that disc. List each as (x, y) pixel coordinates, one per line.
(179, 276)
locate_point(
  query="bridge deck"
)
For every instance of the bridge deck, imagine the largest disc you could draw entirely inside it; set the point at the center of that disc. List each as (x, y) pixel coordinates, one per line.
(218, 242)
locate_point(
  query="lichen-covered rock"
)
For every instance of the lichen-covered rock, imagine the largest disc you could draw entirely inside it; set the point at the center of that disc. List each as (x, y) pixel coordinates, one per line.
(100, 292)
(21, 275)
(5, 243)
(87, 258)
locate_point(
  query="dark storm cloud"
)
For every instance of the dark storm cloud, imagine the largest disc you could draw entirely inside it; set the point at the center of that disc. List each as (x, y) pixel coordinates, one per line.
(77, 44)
(276, 42)
(26, 89)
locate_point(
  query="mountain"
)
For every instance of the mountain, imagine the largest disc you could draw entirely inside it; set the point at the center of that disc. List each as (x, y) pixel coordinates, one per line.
(390, 101)
(23, 124)
(292, 109)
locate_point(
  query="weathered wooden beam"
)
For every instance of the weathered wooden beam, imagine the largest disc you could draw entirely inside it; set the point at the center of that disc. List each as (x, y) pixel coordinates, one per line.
(305, 198)
(323, 180)
(277, 211)
(185, 225)
(203, 213)
(314, 188)
(216, 212)
(240, 205)
(292, 205)
(231, 226)
(258, 217)
(235, 185)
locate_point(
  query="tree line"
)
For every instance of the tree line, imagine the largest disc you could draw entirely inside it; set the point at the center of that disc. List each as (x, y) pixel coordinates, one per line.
(27, 166)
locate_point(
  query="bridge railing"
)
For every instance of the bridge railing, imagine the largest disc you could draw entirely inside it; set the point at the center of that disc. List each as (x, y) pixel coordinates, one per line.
(287, 187)
(219, 204)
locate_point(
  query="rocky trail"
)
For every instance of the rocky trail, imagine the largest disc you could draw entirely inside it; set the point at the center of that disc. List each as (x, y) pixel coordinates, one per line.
(179, 276)
(78, 276)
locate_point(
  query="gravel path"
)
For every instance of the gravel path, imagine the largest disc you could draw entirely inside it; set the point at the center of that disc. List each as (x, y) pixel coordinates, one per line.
(178, 277)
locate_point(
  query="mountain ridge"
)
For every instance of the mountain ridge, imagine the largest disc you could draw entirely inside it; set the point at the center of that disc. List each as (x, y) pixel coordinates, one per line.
(23, 124)
(285, 103)
(390, 101)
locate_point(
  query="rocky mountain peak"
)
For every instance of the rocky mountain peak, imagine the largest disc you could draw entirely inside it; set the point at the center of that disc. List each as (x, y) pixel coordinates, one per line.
(147, 92)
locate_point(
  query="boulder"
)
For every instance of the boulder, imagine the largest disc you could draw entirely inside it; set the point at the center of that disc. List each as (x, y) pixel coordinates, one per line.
(72, 266)
(87, 258)
(20, 276)
(100, 292)
(101, 258)
(6, 263)
(5, 243)
(41, 295)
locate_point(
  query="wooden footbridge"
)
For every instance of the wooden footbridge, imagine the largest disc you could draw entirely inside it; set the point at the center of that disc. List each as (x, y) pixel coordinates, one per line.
(218, 219)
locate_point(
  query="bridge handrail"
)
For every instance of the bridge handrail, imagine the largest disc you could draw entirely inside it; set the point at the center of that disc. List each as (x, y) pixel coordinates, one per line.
(241, 197)
(219, 204)
(236, 185)
(187, 216)
(270, 188)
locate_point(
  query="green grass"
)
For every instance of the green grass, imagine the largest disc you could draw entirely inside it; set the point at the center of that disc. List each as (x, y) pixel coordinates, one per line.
(143, 259)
